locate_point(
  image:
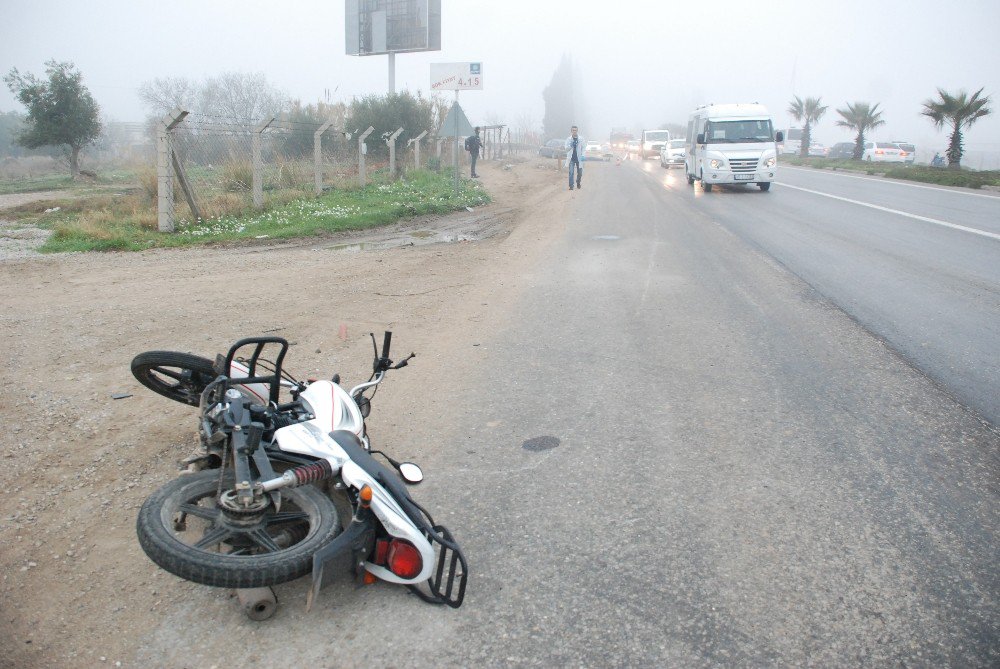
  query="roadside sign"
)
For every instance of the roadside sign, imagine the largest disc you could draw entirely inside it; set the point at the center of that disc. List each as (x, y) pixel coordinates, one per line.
(456, 123)
(456, 76)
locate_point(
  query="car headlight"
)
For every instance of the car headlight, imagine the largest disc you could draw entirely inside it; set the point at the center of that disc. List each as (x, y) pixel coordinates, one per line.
(716, 163)
(770, 162)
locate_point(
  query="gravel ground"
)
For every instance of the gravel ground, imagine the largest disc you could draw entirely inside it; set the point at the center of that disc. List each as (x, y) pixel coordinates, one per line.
(16, 239)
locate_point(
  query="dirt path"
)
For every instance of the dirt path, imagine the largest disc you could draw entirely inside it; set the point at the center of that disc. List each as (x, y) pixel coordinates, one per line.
(77, 464)
(18, 240)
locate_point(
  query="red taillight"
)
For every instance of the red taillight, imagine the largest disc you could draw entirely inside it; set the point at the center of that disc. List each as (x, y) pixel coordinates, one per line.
(879, 152)
(903, 153)
(404, 559)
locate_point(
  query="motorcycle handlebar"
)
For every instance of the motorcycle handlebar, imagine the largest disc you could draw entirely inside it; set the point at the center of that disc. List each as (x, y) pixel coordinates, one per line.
(385, 344)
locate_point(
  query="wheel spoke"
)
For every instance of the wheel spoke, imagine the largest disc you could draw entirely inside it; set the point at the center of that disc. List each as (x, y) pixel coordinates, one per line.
(214, 536)
(264, 540)
(199, 511)
(286, 517)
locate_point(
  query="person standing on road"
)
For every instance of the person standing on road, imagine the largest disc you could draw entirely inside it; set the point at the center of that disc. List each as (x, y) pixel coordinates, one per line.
(575, 155)
(473, 145)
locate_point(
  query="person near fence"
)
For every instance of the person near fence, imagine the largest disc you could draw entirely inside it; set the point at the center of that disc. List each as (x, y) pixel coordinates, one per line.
(575, 155)
(473, 145)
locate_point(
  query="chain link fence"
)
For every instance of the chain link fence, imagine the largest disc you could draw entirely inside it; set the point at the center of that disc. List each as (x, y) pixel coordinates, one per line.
(210, 167)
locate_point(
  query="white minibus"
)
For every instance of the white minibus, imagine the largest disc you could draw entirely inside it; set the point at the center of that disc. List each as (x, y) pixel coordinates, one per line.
(731, 144)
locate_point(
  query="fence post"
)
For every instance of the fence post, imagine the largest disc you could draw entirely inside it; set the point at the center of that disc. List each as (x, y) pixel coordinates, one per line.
(258, 163)
(362, 150)
(415, 141)
(165, 170)
(391, 141)
(318, 156)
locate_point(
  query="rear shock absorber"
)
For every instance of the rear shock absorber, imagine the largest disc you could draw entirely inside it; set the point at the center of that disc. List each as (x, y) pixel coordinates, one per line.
(317, 471)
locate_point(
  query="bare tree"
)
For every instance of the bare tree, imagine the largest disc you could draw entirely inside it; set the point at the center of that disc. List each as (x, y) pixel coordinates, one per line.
(525, 123)
(238, 96)
(162, 95)
(244, 97)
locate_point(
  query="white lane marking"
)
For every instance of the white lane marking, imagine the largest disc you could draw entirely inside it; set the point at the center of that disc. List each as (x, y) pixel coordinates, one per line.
(935, 221)
(887, 181)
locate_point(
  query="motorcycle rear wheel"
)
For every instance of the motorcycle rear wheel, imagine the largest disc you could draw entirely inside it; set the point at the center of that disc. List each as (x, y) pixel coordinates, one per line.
(219, 553)
(178, 376)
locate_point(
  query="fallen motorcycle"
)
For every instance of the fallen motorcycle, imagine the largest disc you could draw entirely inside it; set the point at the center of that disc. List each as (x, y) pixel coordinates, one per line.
(258, 505)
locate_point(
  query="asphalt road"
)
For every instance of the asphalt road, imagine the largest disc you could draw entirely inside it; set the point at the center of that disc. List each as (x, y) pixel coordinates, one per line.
(916, 265)
(745, 474)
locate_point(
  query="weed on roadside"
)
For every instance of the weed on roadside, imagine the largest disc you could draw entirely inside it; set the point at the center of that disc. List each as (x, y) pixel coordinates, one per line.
(129, 222)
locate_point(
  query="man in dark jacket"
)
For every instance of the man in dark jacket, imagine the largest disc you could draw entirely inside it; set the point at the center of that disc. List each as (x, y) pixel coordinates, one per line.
(473, 145)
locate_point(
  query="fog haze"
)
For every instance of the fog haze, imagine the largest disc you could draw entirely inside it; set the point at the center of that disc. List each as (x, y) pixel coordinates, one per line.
(639, 64)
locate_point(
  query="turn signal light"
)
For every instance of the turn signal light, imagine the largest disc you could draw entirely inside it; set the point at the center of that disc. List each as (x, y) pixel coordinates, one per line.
(404, 559)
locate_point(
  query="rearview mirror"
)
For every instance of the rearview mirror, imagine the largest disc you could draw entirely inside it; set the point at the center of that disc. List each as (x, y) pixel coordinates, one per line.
(411, 472)
(700, 139)
(779, 136)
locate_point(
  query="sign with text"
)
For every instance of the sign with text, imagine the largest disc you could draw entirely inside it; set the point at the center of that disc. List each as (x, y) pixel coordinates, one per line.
(456, 76)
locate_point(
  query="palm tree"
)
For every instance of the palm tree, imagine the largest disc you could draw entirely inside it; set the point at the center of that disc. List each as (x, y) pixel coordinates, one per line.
(960, 113)
(861, 117)
(807, 112)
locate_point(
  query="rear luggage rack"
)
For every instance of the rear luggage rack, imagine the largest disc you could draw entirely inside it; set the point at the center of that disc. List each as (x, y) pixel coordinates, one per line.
(451, 571)
(273, 380)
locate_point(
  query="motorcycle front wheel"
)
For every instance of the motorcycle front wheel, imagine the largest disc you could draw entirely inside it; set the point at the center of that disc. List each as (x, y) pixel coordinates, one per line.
(178, 376)
(186, 529)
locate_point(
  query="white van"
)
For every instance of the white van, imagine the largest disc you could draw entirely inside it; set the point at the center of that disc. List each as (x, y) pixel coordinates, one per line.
(731, 144)
(652, 142)
(793, 141)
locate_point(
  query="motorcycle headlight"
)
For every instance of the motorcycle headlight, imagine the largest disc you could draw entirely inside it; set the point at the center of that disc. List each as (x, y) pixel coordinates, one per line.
(770, 162)
(716, 163)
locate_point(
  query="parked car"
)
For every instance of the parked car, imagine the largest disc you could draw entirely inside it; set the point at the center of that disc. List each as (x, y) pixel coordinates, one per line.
(672, 153)
(554, 148)
(817, 150)
(909, 152)
(594, 151)
(842, 151)
(882, 152)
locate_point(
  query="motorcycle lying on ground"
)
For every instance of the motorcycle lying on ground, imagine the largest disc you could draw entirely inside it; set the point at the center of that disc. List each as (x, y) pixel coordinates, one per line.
(258, 505)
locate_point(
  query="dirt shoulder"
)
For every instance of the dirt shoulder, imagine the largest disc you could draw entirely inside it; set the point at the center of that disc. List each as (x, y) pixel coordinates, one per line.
(78, 464)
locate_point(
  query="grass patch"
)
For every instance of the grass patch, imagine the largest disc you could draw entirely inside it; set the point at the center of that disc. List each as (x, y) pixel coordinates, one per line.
(119, 228)
(941, 176)
(33, 185)
(111, 179)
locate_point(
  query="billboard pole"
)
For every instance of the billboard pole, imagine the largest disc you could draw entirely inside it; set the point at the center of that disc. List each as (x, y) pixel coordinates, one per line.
(392, 73)
(454, 154)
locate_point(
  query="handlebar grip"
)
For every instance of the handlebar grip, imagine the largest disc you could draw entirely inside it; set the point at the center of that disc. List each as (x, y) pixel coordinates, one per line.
(385, 344)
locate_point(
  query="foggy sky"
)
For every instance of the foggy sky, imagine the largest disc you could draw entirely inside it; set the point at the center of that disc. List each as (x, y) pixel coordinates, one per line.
(641, 63)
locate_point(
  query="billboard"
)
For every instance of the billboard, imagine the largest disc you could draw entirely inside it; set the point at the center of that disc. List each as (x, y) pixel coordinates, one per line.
(456, 76)
(376, 27)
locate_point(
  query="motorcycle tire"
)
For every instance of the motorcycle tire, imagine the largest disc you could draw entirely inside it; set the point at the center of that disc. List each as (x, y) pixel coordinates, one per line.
(307, 515)
(178, 376)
